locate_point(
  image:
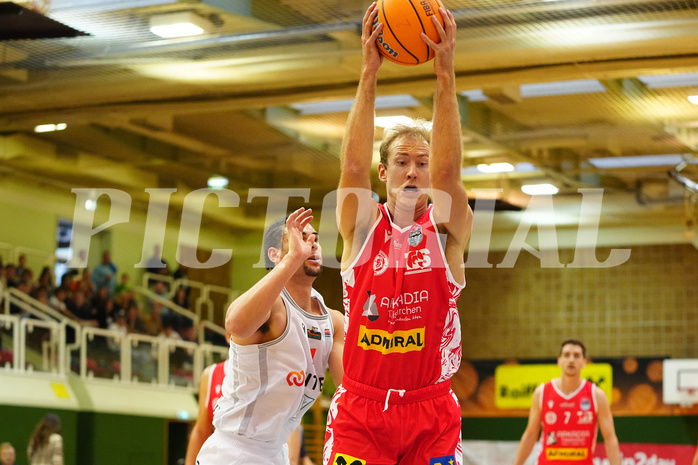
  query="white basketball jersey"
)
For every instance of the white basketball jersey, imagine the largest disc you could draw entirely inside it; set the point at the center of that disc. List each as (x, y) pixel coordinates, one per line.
(268, 387)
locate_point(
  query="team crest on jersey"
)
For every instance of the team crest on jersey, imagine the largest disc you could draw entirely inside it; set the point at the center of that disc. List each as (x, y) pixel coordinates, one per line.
(380, 263)
(314, 333)
(345, 459)
(414, 238)
(585, 404)
(370, 307)
(417, 261)
(550, 418)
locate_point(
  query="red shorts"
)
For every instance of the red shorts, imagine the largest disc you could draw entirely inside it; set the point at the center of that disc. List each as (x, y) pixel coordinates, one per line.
(370, 426)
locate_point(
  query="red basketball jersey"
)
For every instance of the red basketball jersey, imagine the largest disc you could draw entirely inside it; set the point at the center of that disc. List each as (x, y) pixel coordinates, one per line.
(569, 425)
(401, 318)
(215, 381)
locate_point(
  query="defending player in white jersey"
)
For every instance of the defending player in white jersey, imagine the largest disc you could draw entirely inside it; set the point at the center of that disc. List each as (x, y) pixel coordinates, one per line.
(283, 338)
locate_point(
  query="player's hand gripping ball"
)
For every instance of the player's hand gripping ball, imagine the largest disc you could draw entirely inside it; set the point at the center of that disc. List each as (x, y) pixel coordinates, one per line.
(403, 23)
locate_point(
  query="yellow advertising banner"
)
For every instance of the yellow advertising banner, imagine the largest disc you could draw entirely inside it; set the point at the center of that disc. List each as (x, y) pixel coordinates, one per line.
(514, 384)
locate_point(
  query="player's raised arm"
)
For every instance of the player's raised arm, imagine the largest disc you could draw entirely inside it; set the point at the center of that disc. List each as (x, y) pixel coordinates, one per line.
(530, 435)
(253, 308)
(451, 209)
(357, 210)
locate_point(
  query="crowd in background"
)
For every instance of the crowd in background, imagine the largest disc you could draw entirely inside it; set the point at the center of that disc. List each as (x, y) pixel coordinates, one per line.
(45, 445)
(101, 298)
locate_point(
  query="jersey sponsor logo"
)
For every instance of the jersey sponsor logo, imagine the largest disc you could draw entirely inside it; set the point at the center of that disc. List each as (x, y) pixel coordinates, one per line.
(328, 333)
(390, 343)
(417, 261)
(585, 418)
(314, 333)
(406, 298)
(345, 459)
(370, 307)
(570, 453)
(445, 460)
(550, 418)
(551, 439)
(295, 378)
(567, 404)
(415, 236)
(550, 404)
(585, 404)
(380, 263)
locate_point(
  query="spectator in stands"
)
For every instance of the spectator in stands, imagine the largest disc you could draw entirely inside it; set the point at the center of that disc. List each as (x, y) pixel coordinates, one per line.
(27, 277)
(126, 298)
(85, 284)
(7, 454)
(188, 331)
(153, 321)
(168, 332)
(134, 320)
(11, 276)
(180, 297)
(165, 312)
(119, 325)
(182, 272)
(105, 313)
(46, 280)
(41, 294)
(21, 265)
(123, 285)
(104, 274)
(156, 265)
(179, 321)
(57, 301)
(102, 309)
(46, 443)
(81, 310)
(24, 288)
(67, 281)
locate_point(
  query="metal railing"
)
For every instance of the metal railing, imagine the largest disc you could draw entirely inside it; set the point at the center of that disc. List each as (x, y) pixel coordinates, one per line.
(38, 341)
(204, 299)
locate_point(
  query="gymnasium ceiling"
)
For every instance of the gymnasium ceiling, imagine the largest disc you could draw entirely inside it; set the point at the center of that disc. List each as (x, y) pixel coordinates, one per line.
(145, 112)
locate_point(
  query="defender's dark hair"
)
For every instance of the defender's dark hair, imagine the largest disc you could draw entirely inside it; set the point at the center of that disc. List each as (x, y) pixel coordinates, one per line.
(273, 237)
(575, 342)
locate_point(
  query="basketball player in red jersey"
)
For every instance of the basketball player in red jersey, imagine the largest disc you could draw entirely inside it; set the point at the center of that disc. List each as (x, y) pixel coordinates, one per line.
(402, 272)
(569, 408)
(209, 392)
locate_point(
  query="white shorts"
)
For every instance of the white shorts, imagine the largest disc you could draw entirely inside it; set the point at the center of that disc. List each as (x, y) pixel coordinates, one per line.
(222, 449)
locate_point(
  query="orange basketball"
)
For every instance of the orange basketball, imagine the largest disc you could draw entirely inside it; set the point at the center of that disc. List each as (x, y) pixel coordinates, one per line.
(403, 22)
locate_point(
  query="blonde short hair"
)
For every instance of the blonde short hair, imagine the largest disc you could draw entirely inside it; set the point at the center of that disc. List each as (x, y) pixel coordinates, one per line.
(418, 128)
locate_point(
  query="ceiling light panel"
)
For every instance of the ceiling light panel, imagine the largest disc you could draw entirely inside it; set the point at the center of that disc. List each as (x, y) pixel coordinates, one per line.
(344, 105)
(544, 89)
(640, 161)
(670, 80)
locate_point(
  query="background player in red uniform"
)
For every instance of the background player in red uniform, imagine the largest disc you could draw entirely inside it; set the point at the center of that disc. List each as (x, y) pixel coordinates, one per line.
(569, 409)
(401, 274)
(209, 392)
